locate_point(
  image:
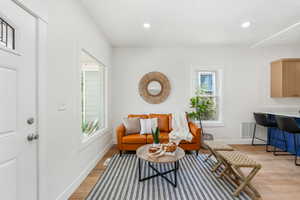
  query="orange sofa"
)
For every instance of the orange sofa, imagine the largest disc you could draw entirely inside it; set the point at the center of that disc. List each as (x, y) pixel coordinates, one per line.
(133, 141)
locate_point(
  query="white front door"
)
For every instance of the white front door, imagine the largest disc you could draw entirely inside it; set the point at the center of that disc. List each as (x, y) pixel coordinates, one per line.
(18, 152)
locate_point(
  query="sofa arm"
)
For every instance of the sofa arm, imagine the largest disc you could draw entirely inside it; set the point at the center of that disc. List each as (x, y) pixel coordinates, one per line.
(195, 130)
(120, 131)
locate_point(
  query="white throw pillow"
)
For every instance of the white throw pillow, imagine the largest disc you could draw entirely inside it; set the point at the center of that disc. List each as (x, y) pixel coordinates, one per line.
(147, 125)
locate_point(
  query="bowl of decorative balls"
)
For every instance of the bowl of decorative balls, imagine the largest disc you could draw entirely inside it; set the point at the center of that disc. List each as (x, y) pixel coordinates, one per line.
(169, 148)
(155, 151)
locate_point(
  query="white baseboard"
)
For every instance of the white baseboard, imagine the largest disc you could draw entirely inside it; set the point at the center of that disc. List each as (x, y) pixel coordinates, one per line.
(238, 141)
(75, 184)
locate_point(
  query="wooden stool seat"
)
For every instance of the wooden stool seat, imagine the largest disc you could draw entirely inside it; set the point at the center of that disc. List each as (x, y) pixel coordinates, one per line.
(218, 146)
(238, 159)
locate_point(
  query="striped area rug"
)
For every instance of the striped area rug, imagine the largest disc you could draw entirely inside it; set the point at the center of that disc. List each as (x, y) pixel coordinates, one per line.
(195, 182)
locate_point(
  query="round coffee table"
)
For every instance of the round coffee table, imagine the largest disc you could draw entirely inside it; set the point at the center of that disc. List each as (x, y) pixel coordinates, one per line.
(142, 153)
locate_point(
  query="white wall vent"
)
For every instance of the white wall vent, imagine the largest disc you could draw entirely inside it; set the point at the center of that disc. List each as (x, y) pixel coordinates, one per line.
(247, 131)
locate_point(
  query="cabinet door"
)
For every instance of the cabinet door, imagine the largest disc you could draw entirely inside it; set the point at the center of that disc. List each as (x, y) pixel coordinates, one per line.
(290, 73)
(297, 84)
(276, 79)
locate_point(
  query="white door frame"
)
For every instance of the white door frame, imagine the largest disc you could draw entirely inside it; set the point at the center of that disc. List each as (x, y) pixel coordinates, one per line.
(41, 64)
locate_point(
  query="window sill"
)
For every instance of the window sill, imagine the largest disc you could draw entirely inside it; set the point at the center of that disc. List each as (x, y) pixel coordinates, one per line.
(208, 124)
(10, 51)
(88, 139)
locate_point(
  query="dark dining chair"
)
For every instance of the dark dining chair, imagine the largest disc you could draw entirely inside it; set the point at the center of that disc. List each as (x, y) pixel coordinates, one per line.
(263, 120)
(289, 125)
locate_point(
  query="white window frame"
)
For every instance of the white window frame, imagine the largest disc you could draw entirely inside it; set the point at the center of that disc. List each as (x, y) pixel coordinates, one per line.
(87, 139)
(16, 50)
(219, 92)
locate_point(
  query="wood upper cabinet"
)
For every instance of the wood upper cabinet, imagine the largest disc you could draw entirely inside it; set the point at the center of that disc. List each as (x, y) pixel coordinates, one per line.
(285, 78)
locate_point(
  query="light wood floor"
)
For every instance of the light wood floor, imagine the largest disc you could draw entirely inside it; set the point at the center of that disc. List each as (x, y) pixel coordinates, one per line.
(279, 178)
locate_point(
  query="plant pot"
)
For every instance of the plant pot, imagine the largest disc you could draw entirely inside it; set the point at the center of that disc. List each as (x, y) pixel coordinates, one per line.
(156, 144)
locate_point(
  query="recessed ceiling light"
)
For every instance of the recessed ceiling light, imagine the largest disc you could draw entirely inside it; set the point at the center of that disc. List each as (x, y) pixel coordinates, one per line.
(246, 24)
(147, 25)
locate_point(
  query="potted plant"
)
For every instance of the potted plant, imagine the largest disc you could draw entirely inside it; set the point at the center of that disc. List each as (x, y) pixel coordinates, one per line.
(204, 107)
(155, 135)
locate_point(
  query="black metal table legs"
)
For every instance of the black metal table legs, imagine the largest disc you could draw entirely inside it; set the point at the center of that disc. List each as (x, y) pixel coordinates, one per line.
(161, 174)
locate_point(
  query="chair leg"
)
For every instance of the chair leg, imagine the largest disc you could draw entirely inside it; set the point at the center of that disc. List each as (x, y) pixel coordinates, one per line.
(296, 150)
(253, 136)
(216, 166)
(246, 182)
(285, 141)
(206, 159)
(274, 147)
(197, 153)
(296, 161)
(120, 153)
(267, 148)
(268, 143)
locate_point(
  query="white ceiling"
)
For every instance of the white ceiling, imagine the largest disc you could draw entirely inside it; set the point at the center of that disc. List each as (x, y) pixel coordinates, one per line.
(190, 23)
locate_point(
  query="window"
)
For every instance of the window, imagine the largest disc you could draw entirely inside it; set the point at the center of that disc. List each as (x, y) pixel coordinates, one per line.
(7, 35)
(92, 94)
(206, 88)
(207, 82)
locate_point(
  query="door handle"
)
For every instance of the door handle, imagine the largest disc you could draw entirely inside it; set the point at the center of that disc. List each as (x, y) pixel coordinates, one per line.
(32, 137)
(30, 121)
(36, 136)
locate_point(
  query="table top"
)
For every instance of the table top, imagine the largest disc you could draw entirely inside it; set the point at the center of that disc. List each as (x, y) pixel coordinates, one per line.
(142, 152)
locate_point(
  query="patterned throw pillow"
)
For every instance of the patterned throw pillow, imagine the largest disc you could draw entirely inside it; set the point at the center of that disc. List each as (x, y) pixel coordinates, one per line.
(132, 125)
(147, 125)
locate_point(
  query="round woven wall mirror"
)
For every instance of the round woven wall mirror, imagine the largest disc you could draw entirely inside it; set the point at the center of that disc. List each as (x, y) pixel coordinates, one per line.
(154, 87)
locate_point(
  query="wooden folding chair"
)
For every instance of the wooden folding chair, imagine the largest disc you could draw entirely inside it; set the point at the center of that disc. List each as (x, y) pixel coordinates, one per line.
(233, 162)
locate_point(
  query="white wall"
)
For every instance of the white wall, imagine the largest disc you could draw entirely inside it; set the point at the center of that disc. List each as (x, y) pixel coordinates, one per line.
(246, 81)
(67, 160)
(38, 7)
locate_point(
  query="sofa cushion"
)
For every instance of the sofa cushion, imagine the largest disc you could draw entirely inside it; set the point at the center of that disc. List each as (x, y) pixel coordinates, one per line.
(132, 125)
(139, 116)
(134, 139)
(163, 138)
(163, 121)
